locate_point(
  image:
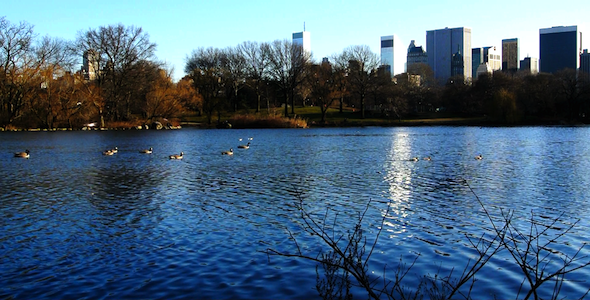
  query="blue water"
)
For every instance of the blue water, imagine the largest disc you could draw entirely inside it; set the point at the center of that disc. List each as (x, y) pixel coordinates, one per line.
(78, 224)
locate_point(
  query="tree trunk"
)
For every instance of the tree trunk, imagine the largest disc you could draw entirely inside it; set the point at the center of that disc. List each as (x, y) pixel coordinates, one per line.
(362, 107)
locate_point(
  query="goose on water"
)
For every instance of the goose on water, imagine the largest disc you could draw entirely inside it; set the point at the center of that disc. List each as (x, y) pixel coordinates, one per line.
(176, 156)
(230, 152)
(146, 151)
(244, 146)
(22, 154)
(479, 157)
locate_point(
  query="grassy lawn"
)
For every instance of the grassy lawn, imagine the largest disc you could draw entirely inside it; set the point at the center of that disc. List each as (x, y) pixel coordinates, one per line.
(349, 118)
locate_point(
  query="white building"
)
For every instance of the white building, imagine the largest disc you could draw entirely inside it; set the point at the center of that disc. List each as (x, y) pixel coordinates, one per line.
(489, 56)
(303, 39)
(393, 54)
(530, 65)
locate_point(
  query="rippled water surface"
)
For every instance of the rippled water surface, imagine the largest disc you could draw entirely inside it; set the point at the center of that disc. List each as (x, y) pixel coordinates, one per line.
(78, 224)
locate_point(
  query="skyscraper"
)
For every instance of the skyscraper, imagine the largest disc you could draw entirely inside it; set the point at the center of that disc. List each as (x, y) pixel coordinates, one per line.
(585, 62)
(303, 39)
(488, 56)
(449, 52)
(90, 65)
(392, 56)
(416, 57)
(510, 55)
(559, 48)
(530, 65)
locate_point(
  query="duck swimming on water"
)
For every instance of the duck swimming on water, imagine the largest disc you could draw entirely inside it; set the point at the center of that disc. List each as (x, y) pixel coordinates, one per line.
(147, 151)
(176, 156)
(22, 154)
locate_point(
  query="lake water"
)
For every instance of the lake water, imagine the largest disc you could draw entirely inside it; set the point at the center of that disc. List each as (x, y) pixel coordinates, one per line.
(78, 224)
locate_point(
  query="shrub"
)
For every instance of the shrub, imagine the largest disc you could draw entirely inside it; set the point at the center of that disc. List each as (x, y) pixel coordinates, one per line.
(266, 121)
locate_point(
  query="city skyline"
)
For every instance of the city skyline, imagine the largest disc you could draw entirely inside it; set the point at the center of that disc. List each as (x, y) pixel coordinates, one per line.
(179, 28)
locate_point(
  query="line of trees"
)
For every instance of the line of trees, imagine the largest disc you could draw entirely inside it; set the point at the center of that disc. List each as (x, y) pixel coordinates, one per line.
(40, 87)
(239, 77)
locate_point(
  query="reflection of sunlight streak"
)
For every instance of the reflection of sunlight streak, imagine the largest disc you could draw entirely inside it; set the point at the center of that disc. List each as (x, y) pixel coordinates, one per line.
(399, 177)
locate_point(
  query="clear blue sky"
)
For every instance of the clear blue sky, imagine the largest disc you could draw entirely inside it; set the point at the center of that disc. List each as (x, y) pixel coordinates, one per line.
(178, 27)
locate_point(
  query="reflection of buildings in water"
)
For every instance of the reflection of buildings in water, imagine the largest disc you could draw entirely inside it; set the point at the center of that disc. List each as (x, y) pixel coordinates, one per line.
(399, 173)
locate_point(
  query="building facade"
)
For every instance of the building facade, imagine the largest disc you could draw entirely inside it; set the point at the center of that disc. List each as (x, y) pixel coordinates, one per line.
(303, 39)
(488, 56)
(510, 55)
(392, 56)
(90, 65)
(444, 48)
(559, 48)
(529, 65)
(585, 62)
(416, 58)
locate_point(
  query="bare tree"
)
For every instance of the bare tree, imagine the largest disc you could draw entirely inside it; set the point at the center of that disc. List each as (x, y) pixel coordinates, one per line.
(17, 68)
(234, 66)
(116, 52)
(361, 63)
(205, 68)
(257, 64)
(572, 86)
(188, 96)
(323, 89)
(162, 100)
(53, 84)
(24, 64)
(288, 62)
(341, 84)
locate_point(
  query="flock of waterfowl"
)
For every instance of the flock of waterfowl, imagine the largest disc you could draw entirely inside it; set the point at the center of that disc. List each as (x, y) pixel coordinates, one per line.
(26, 153)
(110, 152)
(231, 150)
(428, 158)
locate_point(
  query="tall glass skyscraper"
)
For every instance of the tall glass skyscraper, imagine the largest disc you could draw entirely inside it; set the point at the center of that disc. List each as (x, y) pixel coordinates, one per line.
(559, 48)
(393, 56)
(449, 52)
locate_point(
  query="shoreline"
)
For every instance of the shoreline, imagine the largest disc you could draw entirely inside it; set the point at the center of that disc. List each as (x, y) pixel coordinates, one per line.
(455, 122)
